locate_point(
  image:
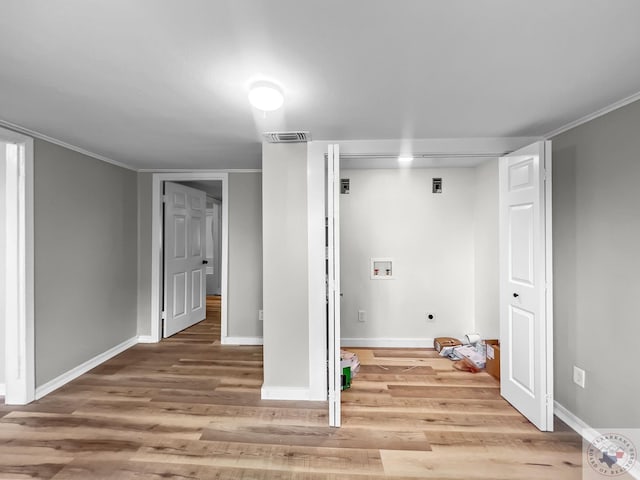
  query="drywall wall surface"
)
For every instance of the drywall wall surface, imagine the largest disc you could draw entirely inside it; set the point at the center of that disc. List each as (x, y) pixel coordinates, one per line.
(3, 232)
(596, 234)
(145, 181)
(85, 227)
(487, 290)
(394, 214)
(245, 255)
(285, 267)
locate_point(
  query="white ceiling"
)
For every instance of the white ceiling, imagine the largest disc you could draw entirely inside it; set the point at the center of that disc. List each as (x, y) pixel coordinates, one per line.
(163, 83)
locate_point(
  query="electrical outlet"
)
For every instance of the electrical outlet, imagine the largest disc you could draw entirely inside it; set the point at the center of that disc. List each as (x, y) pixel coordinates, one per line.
(261, 315)
(362, 316)
(578, 376)
(431, 317)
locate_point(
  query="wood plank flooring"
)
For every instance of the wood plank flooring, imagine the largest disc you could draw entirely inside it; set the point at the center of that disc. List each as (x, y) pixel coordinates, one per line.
(190, 408)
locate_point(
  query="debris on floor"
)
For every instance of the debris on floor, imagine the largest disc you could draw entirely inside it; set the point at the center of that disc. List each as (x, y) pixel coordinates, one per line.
(470, 357)
(441, 342)
(350, 364)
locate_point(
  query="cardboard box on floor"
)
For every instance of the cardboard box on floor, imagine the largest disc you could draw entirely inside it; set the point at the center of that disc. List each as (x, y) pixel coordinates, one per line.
(493, 358)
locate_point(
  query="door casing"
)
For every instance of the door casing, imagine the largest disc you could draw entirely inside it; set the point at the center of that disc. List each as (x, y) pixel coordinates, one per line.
(156, 245)
(19, 333)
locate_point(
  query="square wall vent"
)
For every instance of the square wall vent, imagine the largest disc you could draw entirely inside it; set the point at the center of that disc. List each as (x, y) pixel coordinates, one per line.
(287, 137)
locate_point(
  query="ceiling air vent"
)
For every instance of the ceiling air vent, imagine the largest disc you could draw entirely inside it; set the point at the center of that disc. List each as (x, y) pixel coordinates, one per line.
(287, 137)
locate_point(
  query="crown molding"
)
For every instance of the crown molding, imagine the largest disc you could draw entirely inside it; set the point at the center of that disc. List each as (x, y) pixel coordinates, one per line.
(55, 141)
(200, 170)
(594, 115)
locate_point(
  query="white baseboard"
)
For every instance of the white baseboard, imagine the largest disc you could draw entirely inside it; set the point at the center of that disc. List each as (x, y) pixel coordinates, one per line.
(387, 342)
(284, 393)
(576, 423)
(583, 429)
(74, 373)
(242, 341)
(146, 339)
(3, 389)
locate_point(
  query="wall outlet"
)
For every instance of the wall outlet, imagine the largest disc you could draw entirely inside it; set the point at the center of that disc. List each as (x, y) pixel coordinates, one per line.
(431, 317)
(362, 316)
(261, 315)
(578, 376)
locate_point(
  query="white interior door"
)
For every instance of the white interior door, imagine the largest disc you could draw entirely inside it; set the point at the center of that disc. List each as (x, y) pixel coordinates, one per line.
(526, 324)
(184, 257)
(333, 283)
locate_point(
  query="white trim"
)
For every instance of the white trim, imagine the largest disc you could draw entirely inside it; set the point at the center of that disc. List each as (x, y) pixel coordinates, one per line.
(75, 372)
(316, 265)
(146, 339)
(592, 116)
(387, 342)
(156, 243)
(195, 170)
(284, 393)
(19, 271)
(587, 432)
(244, 341)
(548, 239)
(60, 143)
(3, 389)
(577, 424)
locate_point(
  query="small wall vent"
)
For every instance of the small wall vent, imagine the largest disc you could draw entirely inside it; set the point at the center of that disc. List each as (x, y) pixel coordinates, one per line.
(287, 137)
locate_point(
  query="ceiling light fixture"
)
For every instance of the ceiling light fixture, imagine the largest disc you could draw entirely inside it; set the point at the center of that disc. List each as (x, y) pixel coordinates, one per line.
(266, 96)
(405, 159)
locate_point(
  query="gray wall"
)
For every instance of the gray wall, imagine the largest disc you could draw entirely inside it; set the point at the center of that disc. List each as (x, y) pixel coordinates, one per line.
(285, 266)
(485, 232)
(85, 258)
(245, 255)
(2, 255)
(596, 237)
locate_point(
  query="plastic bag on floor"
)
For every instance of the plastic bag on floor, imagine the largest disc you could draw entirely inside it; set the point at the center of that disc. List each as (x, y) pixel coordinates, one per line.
(350, 359)
(474, 353)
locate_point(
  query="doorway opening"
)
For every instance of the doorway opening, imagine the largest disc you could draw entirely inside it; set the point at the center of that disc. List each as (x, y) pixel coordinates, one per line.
(192, 253)
(213, 274)
(439, 291)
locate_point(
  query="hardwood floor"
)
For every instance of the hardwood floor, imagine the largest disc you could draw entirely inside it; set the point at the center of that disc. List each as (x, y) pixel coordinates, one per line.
(190, 408)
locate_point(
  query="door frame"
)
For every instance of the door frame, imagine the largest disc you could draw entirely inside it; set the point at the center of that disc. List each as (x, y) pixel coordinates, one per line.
(333, 285)
(156, 245)
(19, 273)
(322, 149)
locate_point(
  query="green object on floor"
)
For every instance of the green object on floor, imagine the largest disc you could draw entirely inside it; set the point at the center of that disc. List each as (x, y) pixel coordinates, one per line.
(346, 377)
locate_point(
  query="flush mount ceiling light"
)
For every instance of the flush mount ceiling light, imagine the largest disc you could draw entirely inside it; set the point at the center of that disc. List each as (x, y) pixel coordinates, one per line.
(405, 159)
(266, 96)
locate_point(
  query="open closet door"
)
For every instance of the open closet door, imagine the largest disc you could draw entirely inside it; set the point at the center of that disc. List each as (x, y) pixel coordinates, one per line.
(526, 324)
(333, 283)
(184, 257)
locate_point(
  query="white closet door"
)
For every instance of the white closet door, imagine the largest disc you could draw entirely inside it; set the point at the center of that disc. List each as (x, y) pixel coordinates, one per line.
(525, 283)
